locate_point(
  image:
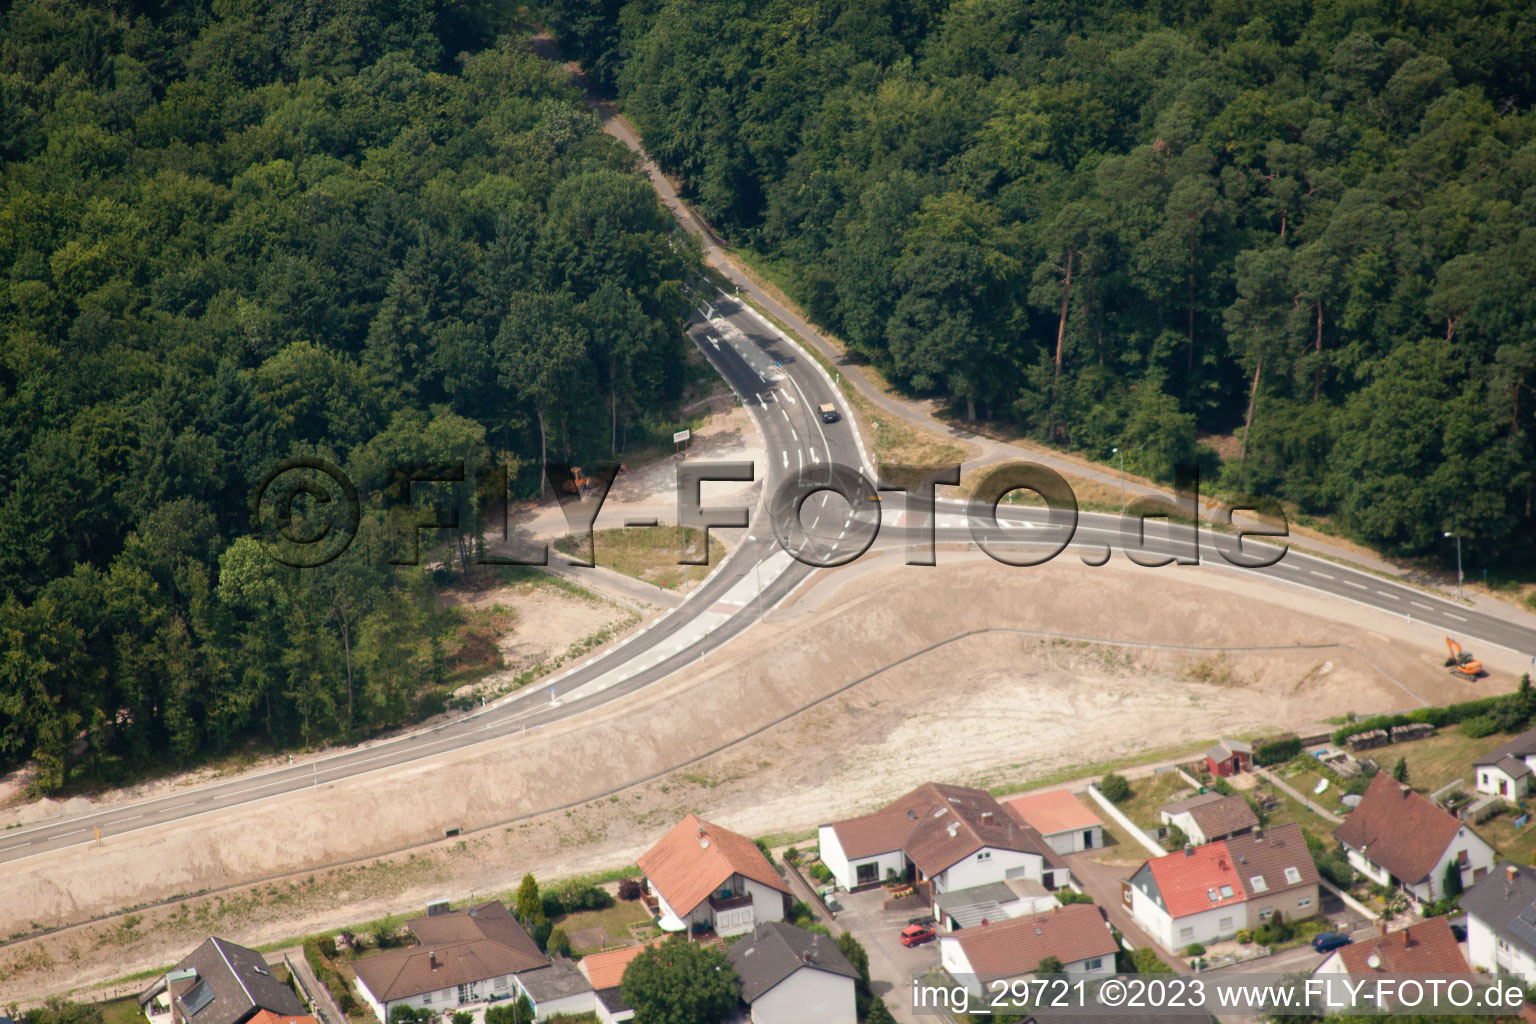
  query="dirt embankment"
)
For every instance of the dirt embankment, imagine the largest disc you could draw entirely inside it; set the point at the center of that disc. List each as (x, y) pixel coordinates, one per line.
(996, 707)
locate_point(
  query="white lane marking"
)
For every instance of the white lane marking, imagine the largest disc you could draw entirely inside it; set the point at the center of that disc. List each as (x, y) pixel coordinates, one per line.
(799, 459)
(794, 434)
(759, 395)
(5, 849)
(1424, 606)
(816, 520)
(76, 832)
(1394, 597)
(1453, 615)
(785, 457)
(1322, 574)
(785, 415)
(1357, 586)
(815, 458)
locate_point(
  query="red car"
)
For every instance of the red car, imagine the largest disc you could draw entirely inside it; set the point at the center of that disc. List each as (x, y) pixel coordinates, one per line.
(916, 934)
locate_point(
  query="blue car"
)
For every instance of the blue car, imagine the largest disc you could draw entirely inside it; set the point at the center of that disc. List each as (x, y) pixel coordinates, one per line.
(1326, 941)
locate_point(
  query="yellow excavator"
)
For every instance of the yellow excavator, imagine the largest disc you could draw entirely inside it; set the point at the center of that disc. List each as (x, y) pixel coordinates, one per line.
(1461, 663)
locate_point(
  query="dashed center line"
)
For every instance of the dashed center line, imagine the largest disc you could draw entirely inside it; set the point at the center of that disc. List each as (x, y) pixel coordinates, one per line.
(1322, 574)
(1424, 606)
(1357, 586)
(1453, 615)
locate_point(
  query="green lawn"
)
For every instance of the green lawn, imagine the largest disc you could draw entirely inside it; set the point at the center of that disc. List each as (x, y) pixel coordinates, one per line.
(648, 553)
(1517, 845)
(122, 1011)
(1436, 760)
(1148, 795)
(619, 921)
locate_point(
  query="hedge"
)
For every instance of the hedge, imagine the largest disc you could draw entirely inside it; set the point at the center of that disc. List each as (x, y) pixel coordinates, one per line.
(1277, 751)
(1437, 716)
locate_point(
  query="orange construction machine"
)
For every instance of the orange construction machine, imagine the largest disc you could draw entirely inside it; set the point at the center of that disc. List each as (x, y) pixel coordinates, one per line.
(1461, 663)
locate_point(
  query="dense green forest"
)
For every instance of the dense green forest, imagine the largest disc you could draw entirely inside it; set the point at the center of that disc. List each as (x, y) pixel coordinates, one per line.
(1306, 227)
(237, 232)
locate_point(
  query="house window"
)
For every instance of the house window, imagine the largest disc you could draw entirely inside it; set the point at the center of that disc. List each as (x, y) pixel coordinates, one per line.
(867, 873)
(1266, 913)
(1461, 858)
(984, 855)
(428, 997)
(1187, 933)
(1304, 902)
(466, 993)
(1225, 924)
(1292, 876)
(1094, 964)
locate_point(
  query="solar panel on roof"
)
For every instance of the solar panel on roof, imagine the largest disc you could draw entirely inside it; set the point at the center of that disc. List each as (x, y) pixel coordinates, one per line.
(198, 997)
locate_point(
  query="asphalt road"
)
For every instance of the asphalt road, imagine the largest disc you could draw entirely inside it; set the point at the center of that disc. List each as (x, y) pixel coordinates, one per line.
(783, 391)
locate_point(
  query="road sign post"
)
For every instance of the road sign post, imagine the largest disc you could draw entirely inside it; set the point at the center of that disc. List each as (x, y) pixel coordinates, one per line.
(681, 438)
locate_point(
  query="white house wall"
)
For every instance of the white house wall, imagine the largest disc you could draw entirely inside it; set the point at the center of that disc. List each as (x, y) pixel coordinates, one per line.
(978, 869)
(807, 995)
(845, 870)
(1204, 927)
(1487, 952)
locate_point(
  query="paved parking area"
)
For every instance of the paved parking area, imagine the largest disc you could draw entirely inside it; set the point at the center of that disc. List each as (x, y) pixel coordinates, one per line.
(891, 965)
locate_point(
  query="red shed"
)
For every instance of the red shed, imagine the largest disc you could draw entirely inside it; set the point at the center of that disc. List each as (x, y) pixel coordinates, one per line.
(1228, 757)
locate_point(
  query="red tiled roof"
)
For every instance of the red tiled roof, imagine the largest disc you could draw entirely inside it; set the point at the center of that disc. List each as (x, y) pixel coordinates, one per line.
(1428, 947)
(1053, 812)
(606, 970)
(1398, 829)
(1188, 879)
(1010, 948)
(696, 858)
(268, 1017)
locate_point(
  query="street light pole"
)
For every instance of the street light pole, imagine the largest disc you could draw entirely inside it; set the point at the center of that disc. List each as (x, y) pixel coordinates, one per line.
(1448, 533)
(1121, 456)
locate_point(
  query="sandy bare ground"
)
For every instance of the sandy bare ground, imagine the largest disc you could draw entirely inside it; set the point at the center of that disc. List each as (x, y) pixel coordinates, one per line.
(997, 707)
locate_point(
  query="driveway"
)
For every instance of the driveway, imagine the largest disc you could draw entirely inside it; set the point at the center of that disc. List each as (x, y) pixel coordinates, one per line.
(891, 965)
(1102, 882)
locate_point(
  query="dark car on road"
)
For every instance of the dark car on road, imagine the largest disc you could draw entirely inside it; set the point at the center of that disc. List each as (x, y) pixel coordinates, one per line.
(916, 934)
(1327, 941)
(829, 413)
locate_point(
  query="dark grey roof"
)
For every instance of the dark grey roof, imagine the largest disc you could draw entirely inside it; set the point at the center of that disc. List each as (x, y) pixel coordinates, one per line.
(991, 892)
(232, 983)
(1520, 746)
(560, 979)
(1512, 766)
(775, 950)
(1505, 905)
(612, 1000)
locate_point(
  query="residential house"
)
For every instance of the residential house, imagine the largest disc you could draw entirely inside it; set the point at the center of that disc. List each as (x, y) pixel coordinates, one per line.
(605, 972)
(268, 1017)
(705, 876)
(1396, 837)
(1211, 892)
(1077, 935)
(790, 975)
(992, 902)
(1229, 757)
(462, 957)
(219, 983)
(1207, 817)
(1501, 921)
(951, 836)
(1061, 818)
(1508, 770)
(1426, 948)
(560, 988)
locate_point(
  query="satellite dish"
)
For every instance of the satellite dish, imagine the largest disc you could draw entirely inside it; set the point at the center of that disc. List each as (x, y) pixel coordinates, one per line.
(1374, 962)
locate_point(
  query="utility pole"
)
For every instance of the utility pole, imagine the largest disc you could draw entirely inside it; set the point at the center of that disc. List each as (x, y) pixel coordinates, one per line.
(1448, 533)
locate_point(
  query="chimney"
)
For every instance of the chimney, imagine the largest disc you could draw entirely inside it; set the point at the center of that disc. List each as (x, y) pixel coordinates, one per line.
(1381, 927)
(1407, 940)
(1405, 790)
(986, 817)
(1189, 851)
(432, 956)
(1512, 871)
